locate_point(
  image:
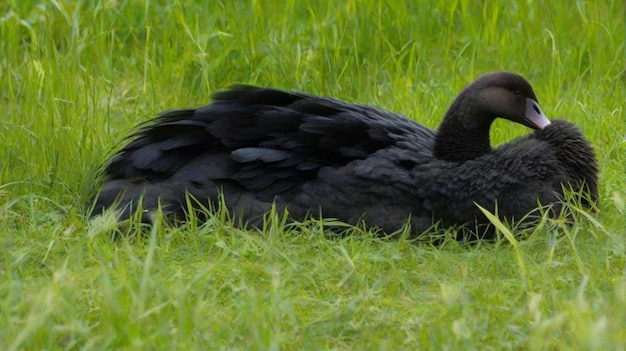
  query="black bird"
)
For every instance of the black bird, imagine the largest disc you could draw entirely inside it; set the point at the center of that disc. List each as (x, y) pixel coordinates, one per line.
(321, 157)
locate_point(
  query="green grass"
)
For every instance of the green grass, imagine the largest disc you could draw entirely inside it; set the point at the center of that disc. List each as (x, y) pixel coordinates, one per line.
(77, 76)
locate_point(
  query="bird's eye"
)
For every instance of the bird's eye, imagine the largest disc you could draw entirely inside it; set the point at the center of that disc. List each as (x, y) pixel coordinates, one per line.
(517, 92)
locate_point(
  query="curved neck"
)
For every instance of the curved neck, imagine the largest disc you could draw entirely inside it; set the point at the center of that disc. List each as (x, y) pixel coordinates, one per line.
(464, 132)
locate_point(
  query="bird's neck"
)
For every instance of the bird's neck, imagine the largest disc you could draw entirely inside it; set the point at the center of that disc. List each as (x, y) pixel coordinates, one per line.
(464, 134)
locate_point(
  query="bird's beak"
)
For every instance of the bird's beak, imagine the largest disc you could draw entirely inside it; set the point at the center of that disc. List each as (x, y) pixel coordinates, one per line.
(534, 117)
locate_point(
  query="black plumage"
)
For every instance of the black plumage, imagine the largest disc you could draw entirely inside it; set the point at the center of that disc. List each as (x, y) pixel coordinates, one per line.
(318, 156)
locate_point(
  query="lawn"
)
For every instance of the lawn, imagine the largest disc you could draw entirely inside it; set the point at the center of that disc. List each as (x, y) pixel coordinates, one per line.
(76, 76)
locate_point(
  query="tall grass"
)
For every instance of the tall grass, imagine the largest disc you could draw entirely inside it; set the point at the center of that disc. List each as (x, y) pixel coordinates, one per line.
(76, 76)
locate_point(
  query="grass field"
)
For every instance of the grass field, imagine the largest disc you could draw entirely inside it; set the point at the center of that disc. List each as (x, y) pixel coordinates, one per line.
(77, 76)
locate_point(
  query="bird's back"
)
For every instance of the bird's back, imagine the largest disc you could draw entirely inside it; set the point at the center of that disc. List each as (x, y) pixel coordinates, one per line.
(257, 146)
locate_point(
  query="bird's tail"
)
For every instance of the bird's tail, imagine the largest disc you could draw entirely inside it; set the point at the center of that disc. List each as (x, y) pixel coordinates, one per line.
(127, 199)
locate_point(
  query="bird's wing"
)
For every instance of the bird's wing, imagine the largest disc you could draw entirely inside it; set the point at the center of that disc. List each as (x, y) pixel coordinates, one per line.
(276, 140)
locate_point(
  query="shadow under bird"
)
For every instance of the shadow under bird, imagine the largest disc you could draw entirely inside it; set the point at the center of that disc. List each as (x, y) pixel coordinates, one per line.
(321, 157)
